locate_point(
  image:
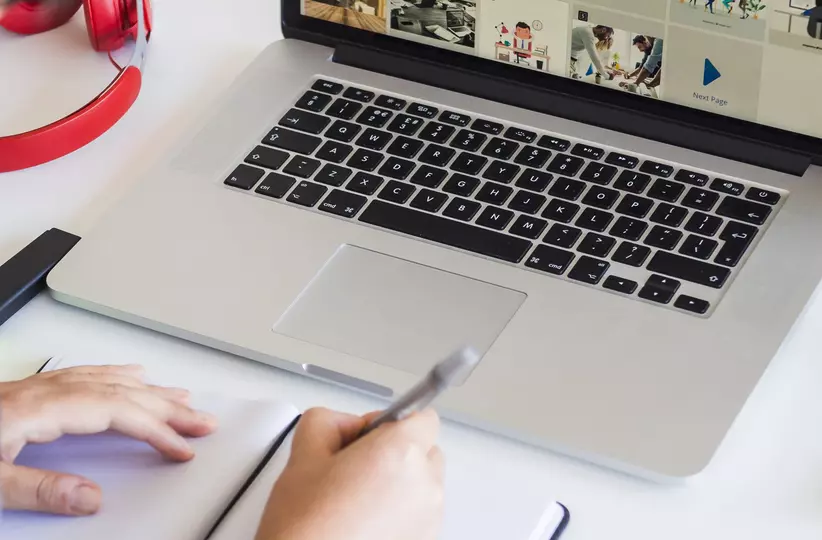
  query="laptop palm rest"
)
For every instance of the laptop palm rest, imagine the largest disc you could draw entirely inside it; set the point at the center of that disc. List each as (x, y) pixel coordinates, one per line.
(395, 312)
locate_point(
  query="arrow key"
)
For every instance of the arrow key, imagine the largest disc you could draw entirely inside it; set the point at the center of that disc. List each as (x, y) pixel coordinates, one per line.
(622, 285)
(742, 210)
(694, 305)
(659, 289)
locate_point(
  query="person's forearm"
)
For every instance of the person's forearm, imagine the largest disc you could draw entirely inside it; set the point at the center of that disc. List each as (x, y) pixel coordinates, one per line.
(643, 74)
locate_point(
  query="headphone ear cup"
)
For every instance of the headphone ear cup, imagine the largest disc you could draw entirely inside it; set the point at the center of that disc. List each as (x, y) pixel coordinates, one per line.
(36, 16)
(106, 22)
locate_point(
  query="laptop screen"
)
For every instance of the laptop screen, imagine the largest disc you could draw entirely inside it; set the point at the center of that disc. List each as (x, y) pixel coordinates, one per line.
(757, 60)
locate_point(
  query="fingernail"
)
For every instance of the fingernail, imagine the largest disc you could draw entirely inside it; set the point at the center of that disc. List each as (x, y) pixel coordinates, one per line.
(207, 418)
(84, 499)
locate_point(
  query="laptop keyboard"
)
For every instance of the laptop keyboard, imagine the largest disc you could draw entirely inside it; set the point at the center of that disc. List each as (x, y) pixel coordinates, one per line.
(602, 217)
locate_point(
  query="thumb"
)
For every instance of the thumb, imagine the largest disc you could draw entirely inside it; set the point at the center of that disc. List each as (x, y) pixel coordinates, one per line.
(322, 432)
(37, 490)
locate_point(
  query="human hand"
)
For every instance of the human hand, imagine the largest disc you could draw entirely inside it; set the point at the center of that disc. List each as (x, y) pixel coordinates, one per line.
(82, 401)
(387, 485)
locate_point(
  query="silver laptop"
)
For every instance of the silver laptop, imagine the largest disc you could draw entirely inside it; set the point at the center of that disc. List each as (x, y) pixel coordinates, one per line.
(364, 200)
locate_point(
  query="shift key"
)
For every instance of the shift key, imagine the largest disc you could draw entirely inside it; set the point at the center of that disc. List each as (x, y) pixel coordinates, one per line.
(291, 140)
(687, 269)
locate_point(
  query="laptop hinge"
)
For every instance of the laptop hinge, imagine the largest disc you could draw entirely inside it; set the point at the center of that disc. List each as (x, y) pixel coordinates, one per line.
(573, 108)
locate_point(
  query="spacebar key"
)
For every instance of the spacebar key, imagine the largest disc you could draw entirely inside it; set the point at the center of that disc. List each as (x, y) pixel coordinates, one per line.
(687, 269)
(446, 231)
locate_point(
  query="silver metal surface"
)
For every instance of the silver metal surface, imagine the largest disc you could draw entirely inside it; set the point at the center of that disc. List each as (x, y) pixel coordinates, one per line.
(648, 390)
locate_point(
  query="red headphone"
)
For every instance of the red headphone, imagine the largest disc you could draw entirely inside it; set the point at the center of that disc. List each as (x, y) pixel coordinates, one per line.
(109, 23)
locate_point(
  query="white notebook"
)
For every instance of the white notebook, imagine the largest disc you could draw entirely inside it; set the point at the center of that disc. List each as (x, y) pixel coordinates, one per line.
(221, 493)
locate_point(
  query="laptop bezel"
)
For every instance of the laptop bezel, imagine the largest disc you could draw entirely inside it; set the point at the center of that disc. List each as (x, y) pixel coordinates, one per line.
(295, 25)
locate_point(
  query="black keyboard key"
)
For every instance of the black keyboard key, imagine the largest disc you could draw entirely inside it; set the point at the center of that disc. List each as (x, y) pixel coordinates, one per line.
(628, 228)
(527, 202)
(374, 117)
(365, 160)
(596, 245)
(405, 147)
(397, 168)
(632, 182)
(727, 186)
(560, 211)
(762, 195)
(501, 171)
(534, 180)
(343, 204)
(374, 139)
(657, 169)
(631, 254)
(528, 226)
(666, 190)
(358, 94)
(663, 237)
(600, 197)
(275, 185)
(344, 108)
(694, 305)
(435, 154)
(307, 193)
(461, 209)
(634, 206)
(304, 121)
(333, 175)
(562, 236)
(589, 270)
(334, 152)
(620, 285)
(313, 101)
(700, 199)
(703, 224)
(405, 125)
(469, 163)
(343, 131)
(687, 269)
(737, 237)
(364, 183)
(699, 247)
(565, 164)
(493, 193)
(436, 132)
(446, 231)
(554, 143)
(668, 214)
(519, 134)
(586, 151)
(493, 217)
(500, 148)
(531, 156)
(565, 188)
(397, 192)
(487, 126)
(327, 86)
(266, 157)
(742, 210)
(430, 201)
(598, 173)
(595, 220)
(291, 140)
(691, 177)
(426, 111)
(470, 141)
(461, 184)
(392, 103)
(301, 166)
(659, 289)
(455, 119)
(622, 160)
(549, 259)
(429, 176)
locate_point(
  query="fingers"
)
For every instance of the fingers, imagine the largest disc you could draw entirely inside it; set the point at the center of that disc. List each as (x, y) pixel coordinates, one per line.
(133, 370)
(322, 432)
(421, 429)
(437, 461)
(37, 490)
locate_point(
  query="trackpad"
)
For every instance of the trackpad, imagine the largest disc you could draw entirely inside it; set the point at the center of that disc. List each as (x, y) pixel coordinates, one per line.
(396, 312)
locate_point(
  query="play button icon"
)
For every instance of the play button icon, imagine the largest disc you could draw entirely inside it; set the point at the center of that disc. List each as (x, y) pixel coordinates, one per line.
(710, 74)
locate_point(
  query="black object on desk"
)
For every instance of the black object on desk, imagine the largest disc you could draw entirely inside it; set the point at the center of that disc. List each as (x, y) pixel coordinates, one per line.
(24, 275)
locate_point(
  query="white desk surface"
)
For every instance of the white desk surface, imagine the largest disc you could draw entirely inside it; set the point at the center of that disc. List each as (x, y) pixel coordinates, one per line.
(764, 483)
